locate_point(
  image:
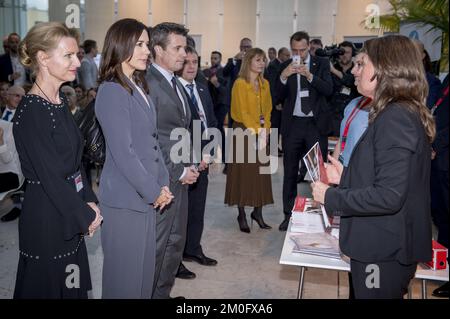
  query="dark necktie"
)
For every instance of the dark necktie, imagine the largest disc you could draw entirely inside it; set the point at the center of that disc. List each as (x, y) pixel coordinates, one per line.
(174, 85)
(7, 115)
(195, 103)
(306, 106)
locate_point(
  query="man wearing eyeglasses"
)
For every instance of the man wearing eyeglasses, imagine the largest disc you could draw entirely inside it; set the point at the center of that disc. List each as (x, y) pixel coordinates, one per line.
(14, 96)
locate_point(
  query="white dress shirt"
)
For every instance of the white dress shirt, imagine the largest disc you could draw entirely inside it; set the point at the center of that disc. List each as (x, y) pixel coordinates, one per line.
(9, 159)
(19, 68)
(168, 76)
(298, 101)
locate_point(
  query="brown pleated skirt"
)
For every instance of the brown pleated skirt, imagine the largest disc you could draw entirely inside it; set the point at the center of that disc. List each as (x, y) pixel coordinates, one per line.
(246, 186)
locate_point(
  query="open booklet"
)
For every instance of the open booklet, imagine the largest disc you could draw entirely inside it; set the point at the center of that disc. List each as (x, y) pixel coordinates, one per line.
(316, 170)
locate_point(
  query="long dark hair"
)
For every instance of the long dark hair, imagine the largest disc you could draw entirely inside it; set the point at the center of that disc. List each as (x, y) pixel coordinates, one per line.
(119, 45)
(401, 78)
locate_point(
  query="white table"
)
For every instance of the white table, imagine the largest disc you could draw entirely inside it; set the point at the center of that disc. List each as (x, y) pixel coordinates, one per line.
(304, 260)
(426, 274)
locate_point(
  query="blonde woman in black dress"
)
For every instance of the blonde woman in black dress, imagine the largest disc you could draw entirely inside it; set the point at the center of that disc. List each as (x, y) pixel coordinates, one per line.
(59, 207)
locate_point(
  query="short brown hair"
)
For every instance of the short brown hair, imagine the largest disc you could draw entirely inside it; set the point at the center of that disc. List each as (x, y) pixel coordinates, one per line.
(160, 34)
(118, 47)
(298, 36)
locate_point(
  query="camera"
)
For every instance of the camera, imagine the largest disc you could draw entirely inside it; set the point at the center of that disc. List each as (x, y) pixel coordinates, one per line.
(332, 52)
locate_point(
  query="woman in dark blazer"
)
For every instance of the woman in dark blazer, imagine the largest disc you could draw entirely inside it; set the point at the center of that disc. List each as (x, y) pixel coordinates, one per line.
(383, 196)
(134, 180)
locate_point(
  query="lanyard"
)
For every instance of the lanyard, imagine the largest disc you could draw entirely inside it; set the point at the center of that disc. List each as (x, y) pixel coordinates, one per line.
(439, 102)
(362, 103)
(262, 120)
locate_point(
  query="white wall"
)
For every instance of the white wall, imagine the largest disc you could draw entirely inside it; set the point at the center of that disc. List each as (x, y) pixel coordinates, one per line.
(222, 23)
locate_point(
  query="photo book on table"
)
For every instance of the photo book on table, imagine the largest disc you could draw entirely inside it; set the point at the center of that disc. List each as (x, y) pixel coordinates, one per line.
(318, 244)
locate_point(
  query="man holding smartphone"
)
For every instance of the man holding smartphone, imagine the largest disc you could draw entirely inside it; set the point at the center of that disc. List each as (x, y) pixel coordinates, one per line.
(302, 87)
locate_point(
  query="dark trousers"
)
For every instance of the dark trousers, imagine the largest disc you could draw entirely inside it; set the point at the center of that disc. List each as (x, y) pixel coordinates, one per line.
(196, 213)
(439, 202)
(393, 278)
(275, 121)
(221, 112)
(8, 181)
(301, 137)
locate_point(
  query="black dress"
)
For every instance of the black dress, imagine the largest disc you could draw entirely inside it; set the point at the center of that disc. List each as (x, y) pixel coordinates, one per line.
(53, 259)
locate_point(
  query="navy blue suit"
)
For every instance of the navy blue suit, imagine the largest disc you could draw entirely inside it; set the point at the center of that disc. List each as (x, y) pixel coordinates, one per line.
(198, 191)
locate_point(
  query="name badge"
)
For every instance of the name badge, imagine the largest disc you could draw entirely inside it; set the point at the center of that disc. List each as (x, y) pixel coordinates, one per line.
(262, 121)
(78, 182)
(304, 93)
(345, 90)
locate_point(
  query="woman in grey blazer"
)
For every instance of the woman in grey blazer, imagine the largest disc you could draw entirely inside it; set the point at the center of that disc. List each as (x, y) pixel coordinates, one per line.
(134, 180)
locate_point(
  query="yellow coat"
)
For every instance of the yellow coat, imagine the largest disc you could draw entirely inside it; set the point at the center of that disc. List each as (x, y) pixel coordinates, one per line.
(247, 105)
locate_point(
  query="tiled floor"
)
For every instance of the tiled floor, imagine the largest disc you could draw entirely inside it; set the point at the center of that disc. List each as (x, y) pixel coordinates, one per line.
(248, 264)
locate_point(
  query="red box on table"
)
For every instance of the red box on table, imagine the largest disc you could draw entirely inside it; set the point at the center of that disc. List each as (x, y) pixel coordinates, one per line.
(440, 254)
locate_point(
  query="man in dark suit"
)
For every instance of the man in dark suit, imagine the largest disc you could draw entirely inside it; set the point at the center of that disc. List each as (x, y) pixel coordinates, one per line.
(302, 87)
(168, 42)
(11, 69)
(202, 117)
(271, 74)
(218, 89)
(233, 66)
(439, 175)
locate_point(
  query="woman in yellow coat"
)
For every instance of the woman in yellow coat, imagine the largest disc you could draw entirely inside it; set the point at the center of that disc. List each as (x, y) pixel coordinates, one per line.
(251, 105)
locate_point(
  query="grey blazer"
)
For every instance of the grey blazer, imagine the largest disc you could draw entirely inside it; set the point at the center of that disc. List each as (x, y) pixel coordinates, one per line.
(134, 169)
(170, 115)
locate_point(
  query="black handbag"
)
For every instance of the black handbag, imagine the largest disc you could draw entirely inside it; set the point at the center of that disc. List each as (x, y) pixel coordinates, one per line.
(94, 141)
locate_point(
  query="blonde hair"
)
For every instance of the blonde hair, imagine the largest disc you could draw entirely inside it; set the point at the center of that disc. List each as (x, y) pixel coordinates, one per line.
(400, 78)
(43, 37)
(244, 72)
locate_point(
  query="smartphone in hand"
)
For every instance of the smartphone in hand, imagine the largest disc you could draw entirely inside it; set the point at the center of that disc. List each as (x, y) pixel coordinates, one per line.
(296, 60)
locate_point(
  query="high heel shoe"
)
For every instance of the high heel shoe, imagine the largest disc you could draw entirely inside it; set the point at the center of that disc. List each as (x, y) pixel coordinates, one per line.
(242, 221)
(256, 215)
(243, 226)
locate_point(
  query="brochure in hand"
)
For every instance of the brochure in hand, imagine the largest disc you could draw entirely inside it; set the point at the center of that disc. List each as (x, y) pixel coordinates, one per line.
(316, 169)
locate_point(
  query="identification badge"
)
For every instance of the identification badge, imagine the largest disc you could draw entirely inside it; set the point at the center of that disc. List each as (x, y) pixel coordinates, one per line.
(262, 121)
(345, 90)
(78, 182)
(304, 93)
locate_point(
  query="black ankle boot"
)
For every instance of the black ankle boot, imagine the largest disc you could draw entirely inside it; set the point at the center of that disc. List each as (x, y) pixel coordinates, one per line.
(256, 215)
(242, 220)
